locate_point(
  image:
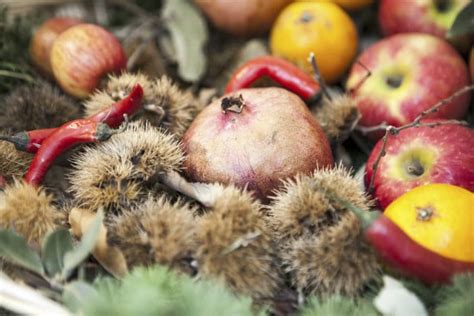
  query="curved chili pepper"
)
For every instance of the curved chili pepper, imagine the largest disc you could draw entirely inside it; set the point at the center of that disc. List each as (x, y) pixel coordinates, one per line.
(279, 70)
(30, 141)
(63, 138)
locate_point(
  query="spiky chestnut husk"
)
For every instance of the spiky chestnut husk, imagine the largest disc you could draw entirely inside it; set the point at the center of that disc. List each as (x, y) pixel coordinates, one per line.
(155, 232)
(36, 107)
(13, 163)
(165, 104)
(30, 211)
(236, 248)
(122, 171)
(117, 88)
(337, 117)
(321, 243)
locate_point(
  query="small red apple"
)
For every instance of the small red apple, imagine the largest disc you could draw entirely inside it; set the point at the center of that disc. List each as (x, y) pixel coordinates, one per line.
(422, 155)
(254, 138)
(425, 16)
(243, 17)
(410, 73)
(42, 41)
(82, 55)
(471, 63)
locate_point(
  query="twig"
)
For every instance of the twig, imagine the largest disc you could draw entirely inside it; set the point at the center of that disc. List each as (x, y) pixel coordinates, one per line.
(435, 108)
(366, 130)
(417, 122)
(318, 77)
(361, 82)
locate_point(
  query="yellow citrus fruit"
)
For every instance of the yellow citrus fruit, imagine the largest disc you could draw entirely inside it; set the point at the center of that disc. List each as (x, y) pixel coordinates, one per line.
(319, 27)
(439, 217)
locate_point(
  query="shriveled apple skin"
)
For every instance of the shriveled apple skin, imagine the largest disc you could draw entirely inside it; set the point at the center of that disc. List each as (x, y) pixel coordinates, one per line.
(273, 138)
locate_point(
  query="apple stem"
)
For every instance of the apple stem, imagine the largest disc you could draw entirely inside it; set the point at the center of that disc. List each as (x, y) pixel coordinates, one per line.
(317, 75)
(414, 168)
(417, 122)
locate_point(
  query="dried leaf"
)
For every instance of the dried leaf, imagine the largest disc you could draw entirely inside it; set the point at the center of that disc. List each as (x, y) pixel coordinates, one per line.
(25, 300)
(189, 34)
(14, 248)
(111, 258)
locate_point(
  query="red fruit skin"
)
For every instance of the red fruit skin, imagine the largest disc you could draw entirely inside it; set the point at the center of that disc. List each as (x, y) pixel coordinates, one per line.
(454, 163)
(400, 252)
(82, 55)
(471, 64)
(279, 70)
(42, 41)
(436, 71)
(407, 16)
(273, 138)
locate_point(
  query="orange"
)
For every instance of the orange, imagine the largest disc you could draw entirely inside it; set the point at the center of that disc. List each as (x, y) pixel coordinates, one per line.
(439, 217)
(319, 27)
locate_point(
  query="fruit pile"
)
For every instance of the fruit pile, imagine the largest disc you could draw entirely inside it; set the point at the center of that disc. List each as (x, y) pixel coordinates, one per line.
(187, 157)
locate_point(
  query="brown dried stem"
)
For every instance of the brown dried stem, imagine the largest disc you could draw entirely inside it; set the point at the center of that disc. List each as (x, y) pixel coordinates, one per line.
(318, 77)
(417, 122)
(361, 82)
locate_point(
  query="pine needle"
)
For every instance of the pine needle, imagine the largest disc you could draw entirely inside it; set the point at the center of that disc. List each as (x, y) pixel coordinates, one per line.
(337, 306)
(458, 298)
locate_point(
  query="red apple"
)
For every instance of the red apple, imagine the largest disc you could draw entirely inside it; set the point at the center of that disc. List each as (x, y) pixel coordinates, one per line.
(272, 138)
(82, 55)
(422, 155)
(424, 16)
(243, 17)
(410, 73)
(42, 41)
(471, 63)
(401, 252)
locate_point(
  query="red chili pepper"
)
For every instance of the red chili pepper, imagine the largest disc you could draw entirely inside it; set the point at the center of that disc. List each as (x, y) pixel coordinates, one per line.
(63, 138)
(279, 70)
(30, 141)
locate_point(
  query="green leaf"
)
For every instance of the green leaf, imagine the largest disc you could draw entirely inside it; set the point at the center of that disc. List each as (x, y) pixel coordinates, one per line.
(189, 34)
(78, 293)
(14, 248)
(55, 246)
(464, 22)
(74, 257)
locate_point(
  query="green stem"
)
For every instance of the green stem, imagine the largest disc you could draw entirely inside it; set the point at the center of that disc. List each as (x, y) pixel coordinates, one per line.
(16, 75)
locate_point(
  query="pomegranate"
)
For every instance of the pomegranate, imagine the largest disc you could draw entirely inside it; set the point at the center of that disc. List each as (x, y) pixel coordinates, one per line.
(254, 138)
